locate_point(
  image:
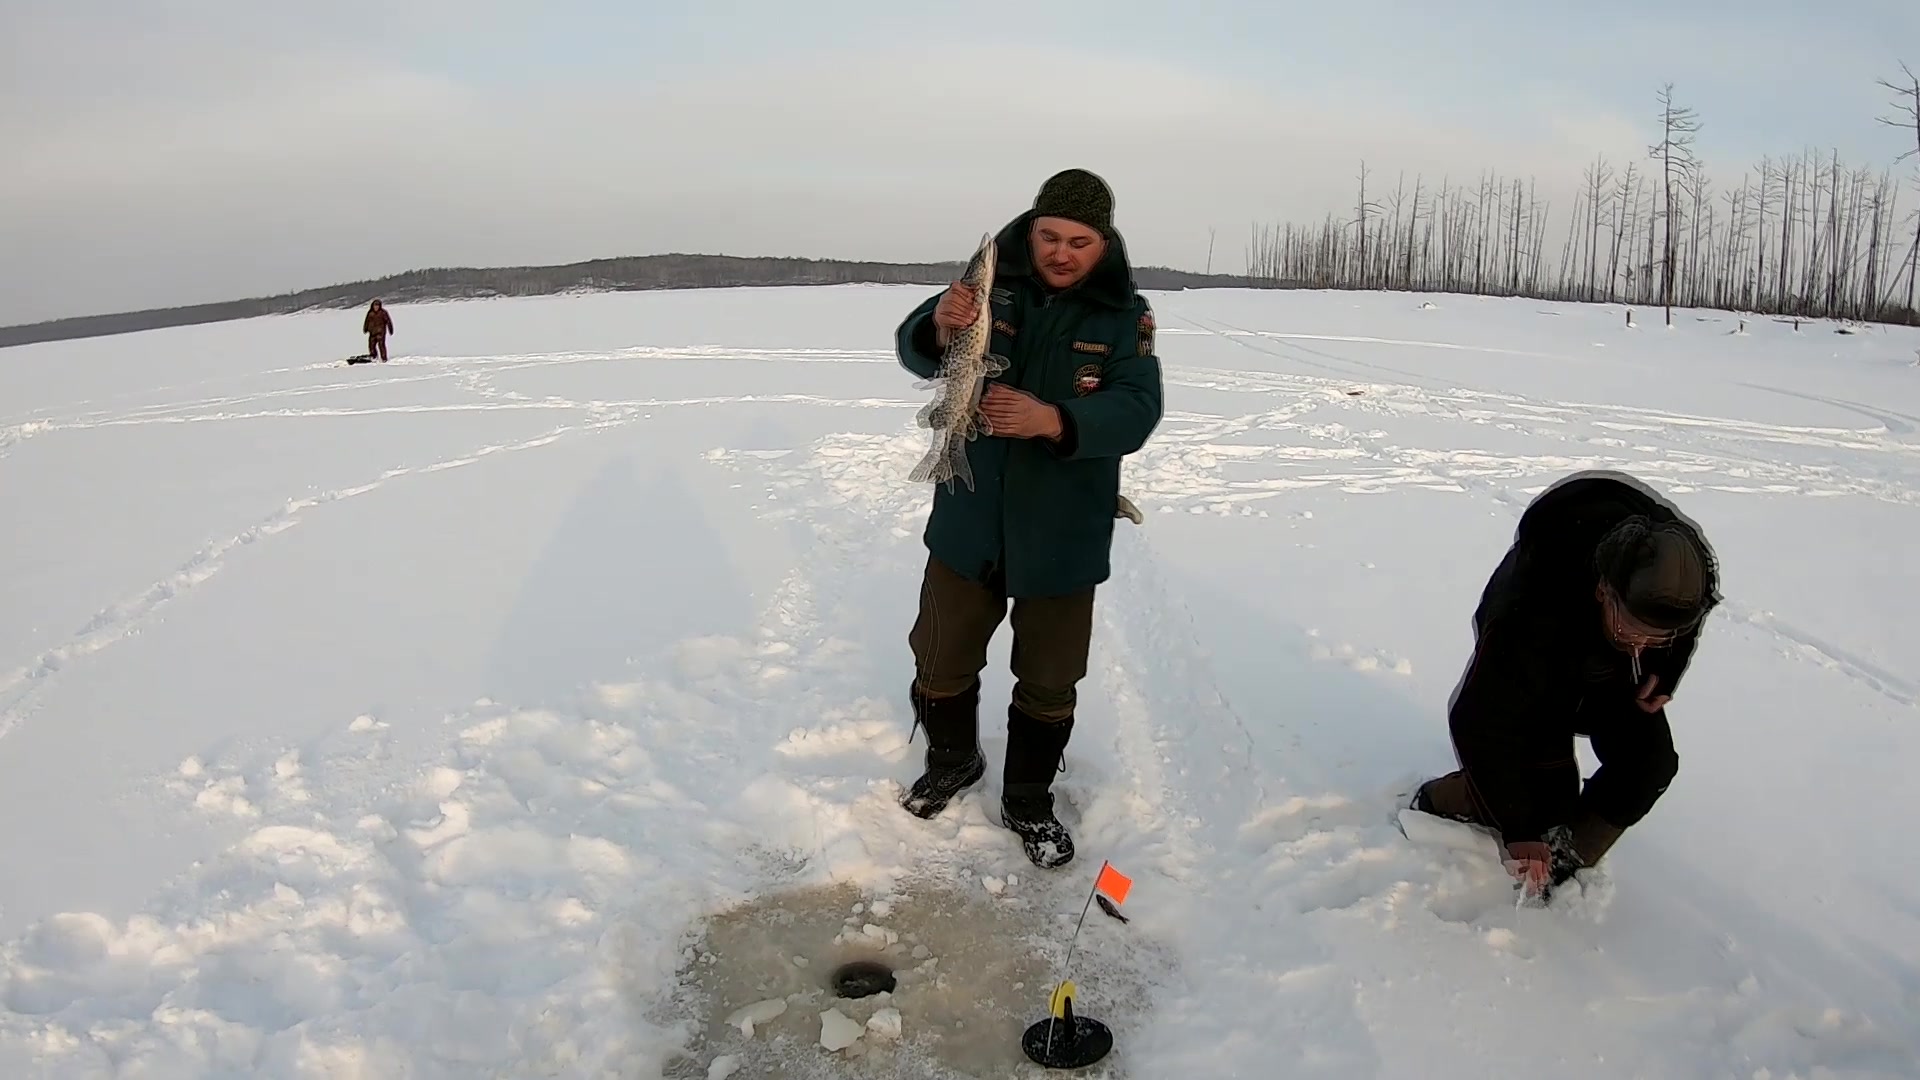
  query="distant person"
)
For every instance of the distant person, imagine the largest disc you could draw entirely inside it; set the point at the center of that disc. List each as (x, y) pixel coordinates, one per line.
(1082, 391)
(377, 325)
(1584, 629)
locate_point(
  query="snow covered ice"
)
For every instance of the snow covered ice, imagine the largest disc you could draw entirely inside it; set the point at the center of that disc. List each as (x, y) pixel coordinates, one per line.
(482, 712)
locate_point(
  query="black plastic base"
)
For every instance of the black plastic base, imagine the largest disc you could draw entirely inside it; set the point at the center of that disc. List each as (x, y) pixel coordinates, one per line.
(1077, 1042)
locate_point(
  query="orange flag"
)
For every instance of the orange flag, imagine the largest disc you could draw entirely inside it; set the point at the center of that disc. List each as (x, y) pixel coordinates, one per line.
(1113, 883)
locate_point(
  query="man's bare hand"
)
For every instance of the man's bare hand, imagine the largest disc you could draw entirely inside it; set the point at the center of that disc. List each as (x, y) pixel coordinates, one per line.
(1531, 863)
(958, 307)
(1647, 700)
(1018, 414)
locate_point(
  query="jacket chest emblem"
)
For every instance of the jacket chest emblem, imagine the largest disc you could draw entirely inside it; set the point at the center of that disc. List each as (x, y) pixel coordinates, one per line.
(1004, 327)
(1086, 379)
(1097, 348)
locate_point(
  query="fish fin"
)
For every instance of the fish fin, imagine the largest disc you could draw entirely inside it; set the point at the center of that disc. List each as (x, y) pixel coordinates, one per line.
(976, 426)
(929, 414)
(935, 466)
(929, 384)
(994, 364)
(958, 463)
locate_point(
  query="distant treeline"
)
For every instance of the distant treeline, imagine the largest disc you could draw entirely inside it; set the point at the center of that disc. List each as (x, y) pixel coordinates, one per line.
(611, 275)
(1804, 235)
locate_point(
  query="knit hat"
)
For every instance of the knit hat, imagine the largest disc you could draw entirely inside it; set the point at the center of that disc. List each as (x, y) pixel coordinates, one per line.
(1077, 195)
(1663, 573)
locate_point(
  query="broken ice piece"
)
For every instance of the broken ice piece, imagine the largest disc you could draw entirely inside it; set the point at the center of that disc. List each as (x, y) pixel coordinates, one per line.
(800, 961)
(723, 1066)
(881, 909)
(885, 1024)
(759, 1012)
(921, 952)
(993, 884)
(836, 1031)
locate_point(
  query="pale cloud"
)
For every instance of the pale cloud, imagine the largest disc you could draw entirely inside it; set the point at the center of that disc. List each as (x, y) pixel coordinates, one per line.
(218, 150)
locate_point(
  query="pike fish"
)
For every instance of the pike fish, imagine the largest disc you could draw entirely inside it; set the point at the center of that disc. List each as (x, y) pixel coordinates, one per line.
(965, 366)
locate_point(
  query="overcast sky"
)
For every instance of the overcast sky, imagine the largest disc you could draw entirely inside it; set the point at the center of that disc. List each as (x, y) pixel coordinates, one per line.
(164, 152)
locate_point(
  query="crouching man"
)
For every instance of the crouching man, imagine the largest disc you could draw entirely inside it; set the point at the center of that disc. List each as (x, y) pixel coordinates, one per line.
(1585, 628)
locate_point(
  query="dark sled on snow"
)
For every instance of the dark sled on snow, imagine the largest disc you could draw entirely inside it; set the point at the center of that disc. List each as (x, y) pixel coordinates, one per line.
(359, 359)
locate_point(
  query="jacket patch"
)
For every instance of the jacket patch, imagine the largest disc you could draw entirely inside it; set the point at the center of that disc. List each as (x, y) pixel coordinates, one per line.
(1004, 327)
(1086, 379)
(1145, 347)
(1097, 348)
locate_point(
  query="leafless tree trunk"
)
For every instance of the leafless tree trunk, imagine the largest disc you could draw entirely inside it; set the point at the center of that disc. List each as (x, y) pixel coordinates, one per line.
(1907, 106)
(1674, 151)
(1810, 236)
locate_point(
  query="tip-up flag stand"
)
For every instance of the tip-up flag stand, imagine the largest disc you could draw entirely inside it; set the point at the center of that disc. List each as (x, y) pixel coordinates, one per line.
(1064, 1040)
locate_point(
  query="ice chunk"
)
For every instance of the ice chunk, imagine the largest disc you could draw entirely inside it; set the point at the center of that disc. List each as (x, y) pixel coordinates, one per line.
(885, 1024)
(723, 1066)
(759, 1012)
(836, 1031)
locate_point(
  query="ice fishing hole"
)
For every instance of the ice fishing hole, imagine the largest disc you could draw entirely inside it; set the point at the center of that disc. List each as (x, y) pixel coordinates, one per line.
(862, 978)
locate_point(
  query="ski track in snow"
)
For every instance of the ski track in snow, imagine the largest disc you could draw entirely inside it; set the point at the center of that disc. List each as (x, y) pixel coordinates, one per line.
(20, 685)
(506, 905)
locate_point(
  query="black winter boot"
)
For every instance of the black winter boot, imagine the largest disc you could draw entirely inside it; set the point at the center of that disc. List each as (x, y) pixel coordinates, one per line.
(954, 761)
(1034, 750)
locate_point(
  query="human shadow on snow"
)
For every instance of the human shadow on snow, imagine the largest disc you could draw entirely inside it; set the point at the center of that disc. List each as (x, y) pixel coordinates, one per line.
(633, 567)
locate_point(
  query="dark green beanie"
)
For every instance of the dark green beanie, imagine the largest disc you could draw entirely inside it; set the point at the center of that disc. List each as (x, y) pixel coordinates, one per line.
(1077, 195)
(1662, 572)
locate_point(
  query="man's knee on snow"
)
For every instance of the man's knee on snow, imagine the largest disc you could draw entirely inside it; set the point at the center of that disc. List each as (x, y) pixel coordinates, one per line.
(1448, 797)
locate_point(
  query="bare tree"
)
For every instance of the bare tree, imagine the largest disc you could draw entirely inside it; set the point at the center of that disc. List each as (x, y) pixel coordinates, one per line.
(1678, 167)
(1597, 176)
(1811, 236)
(1362, 271)
(1907, 102)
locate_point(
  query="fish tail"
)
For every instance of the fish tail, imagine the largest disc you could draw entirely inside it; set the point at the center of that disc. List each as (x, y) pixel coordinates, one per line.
(934, 466)
(959, 466)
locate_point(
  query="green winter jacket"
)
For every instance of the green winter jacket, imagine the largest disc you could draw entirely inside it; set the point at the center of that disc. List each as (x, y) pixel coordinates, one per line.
(1041, 511)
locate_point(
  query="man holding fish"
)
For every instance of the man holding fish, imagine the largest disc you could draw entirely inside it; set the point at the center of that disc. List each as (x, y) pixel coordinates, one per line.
(1046, 355)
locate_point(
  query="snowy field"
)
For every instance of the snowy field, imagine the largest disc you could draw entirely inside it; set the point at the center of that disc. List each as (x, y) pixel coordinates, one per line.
(526, 706)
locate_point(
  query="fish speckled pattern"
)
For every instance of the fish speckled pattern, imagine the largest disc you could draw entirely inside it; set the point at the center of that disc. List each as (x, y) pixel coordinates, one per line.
(965, 366)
